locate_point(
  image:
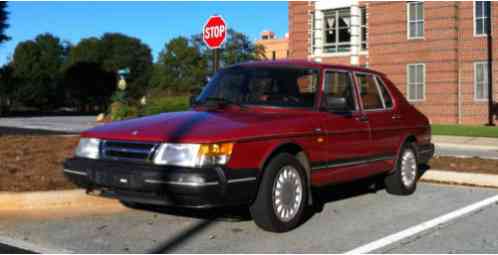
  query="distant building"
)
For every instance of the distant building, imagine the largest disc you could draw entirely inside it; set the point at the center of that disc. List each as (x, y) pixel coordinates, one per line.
(435, 52)
(275, 48)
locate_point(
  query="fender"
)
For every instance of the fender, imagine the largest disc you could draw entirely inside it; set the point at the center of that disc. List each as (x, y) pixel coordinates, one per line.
(404, 140)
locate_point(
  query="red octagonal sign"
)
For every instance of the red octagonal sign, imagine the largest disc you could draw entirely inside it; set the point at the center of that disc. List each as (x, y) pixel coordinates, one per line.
(214, 32)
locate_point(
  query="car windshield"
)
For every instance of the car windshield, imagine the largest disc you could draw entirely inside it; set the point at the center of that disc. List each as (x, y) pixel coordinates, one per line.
(265, 86)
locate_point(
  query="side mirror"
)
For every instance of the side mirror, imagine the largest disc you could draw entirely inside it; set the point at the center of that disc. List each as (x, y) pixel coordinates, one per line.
(337, 104)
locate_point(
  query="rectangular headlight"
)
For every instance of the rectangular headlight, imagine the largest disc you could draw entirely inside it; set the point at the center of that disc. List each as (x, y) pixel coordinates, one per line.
(193, 155)
(88, 148)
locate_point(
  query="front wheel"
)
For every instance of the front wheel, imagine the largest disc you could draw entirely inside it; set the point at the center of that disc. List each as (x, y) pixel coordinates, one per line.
(282, 195)
(403, 181)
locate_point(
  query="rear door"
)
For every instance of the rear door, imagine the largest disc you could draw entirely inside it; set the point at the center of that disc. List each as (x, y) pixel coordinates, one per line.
(384, 120)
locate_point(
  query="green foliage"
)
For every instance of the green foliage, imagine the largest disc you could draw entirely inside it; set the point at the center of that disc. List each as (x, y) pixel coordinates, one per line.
(120, 111)
(36, 65)
(464, 130)
(180, 67)
(3, 22)
(158, 105)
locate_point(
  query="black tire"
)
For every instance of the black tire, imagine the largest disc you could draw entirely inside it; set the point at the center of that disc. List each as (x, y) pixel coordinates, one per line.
(394, 181)
(132, 205)
(262, 209)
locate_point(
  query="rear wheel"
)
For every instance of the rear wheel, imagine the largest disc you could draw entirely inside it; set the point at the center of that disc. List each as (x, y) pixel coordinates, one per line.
(403, 181)
(282, 195)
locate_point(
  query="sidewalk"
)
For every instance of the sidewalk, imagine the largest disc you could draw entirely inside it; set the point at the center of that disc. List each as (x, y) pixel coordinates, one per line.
(463, 142)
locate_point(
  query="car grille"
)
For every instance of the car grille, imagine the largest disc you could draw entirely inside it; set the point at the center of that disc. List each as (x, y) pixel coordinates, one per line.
(133, 151)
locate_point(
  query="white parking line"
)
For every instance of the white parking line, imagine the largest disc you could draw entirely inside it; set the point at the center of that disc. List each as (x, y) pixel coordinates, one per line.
(375, 245)
(30, 246)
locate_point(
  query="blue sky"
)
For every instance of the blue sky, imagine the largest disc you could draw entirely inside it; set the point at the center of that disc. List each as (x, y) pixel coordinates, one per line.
(153, 22)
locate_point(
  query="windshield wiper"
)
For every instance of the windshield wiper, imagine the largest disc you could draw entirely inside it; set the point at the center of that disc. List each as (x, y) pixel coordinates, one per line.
(223, 101)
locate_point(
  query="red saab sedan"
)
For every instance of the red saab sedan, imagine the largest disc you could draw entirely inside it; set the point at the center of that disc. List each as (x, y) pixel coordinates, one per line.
(261, 134)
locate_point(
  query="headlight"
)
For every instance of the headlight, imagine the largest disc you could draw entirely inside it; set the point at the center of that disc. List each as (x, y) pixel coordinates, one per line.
(193, 155)
(88, 148)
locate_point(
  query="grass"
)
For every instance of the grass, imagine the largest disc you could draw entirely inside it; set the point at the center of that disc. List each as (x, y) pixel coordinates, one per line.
(465, 130)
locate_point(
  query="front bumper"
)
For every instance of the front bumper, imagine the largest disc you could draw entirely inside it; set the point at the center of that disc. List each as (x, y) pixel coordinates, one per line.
(425, 152)
(163, 185)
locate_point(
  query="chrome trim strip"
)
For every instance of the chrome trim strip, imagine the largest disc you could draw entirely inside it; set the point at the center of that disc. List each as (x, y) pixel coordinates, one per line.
(75, 172)
(351, 163)
(242, 180)
(191, 184)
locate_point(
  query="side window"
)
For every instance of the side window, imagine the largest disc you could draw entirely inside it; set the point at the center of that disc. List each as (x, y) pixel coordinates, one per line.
(385, 94)
(369, 92)
(339, 93)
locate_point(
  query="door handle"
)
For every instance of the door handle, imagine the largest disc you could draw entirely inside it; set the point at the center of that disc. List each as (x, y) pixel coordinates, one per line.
(396, 116)
(362, 118)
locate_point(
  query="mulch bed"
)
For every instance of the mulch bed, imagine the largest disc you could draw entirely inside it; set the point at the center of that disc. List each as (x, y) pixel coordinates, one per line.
(468, 165)
(33, 162)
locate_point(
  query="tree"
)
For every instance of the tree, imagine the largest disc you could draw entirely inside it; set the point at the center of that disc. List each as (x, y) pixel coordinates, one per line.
(37, 66)
(121, 51)
(90, 72)
(180, 66)
(3, 22)
(237, 48)
(7, 88)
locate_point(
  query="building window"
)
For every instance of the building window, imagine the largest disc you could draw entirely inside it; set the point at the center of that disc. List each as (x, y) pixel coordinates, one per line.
(481, 17)
(337, 30)
(481, 81)
(416, 82)
(364, 28)
(415, 20)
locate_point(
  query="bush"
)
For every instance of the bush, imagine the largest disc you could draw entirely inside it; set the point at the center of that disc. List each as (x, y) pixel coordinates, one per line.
(158, 105)
(120, 111)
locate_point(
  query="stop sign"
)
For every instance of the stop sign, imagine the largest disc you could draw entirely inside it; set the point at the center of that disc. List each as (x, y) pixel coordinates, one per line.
(214, 32)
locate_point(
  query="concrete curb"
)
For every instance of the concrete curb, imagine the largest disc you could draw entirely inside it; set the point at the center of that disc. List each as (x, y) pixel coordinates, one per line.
(51, 200)
(468, 146)
(474, 179)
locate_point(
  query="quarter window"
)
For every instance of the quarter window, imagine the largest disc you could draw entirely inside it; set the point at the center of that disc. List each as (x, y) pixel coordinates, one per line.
(369, 92)
(337, 29)
(415, 20)
(481, 81)
(385, 94)
(416, 82)
(481, 17)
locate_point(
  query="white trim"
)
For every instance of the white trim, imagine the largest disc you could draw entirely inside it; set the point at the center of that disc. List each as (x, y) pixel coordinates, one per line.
(408, 21)
(408, 82)
(485, 79)
(474, 20)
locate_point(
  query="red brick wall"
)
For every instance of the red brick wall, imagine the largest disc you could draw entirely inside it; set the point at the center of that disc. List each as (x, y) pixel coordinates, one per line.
(298, 29)
(440, 50)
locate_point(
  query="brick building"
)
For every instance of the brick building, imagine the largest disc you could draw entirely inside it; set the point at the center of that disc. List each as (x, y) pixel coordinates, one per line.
(436, 52)
(275, 48)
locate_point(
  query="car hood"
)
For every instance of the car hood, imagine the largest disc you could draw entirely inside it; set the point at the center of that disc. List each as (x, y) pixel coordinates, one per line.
(204, 126)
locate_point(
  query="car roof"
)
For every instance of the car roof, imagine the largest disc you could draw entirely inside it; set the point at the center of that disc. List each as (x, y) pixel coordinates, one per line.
(305, 63)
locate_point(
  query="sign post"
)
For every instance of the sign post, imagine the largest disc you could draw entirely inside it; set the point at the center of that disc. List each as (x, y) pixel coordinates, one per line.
(214, 35)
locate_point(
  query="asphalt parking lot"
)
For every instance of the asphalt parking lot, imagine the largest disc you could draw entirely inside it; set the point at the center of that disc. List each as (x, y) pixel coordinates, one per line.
(353, 216)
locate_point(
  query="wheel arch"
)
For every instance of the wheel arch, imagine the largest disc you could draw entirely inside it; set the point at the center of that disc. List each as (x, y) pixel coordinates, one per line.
(409, 138)
(293, 149)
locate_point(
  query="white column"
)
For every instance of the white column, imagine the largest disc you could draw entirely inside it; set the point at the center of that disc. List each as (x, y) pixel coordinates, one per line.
(355, 33)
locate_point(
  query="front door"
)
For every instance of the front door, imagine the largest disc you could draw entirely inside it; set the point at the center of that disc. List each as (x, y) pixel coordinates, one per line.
(346, 130)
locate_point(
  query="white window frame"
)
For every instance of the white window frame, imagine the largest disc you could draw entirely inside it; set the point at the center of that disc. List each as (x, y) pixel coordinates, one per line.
(408, 21)
(485, 82)
(335, 44)
(408, 96)
(363, 16)
(474, 20)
